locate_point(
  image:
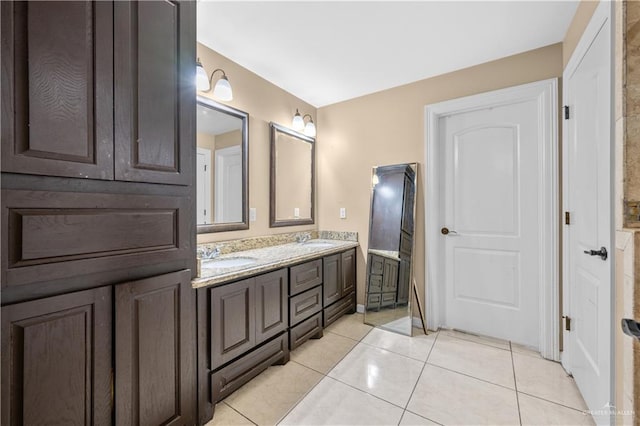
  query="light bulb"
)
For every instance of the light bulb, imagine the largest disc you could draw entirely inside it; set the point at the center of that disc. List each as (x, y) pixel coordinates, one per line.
(222, 89)
(310, 129)
(298, 122)
(202, 80)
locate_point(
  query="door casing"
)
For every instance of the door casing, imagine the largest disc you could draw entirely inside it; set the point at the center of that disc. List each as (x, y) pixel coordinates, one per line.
(546, 92)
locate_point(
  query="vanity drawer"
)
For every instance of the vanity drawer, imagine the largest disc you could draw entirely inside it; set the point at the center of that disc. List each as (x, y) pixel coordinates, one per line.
(373, 301)
(376, 264)
(304, 331)
(304, 277)
(303, 305)
(342, 306)
(226, 380)
(375, 283)
(388, 299)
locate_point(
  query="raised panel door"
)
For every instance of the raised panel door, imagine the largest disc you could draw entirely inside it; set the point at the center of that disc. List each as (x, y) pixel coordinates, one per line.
(331, 274)
(56, 360)
(233, 321)
(154, 91)
(57, 88)
(155, 351)
(348, 271)
(272, 307)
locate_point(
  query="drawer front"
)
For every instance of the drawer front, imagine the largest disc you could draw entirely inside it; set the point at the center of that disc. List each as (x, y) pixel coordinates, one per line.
(226, 380)
(303, 305)
(304, 277)
(304, 331)
(335, 311)
(388, 299)
(375, 283)
(376, 264)
(57, 235)
(373, 301)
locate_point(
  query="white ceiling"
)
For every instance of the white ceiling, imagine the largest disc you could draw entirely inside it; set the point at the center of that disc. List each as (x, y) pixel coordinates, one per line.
(327, 52)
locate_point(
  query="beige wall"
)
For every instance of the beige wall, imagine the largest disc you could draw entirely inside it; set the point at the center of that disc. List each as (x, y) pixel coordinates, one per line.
(388, 128)
(264, 102)
(578, 24)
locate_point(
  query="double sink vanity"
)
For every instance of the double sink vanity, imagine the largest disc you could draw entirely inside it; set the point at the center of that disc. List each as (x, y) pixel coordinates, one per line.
(256, 305)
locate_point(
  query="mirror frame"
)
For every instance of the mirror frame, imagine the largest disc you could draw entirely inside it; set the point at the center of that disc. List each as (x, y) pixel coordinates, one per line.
(274, 222)
(244, 224)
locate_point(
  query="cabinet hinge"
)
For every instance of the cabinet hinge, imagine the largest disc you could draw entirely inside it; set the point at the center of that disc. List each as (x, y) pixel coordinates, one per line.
(567, 218)
(567, 322)
(566, 112)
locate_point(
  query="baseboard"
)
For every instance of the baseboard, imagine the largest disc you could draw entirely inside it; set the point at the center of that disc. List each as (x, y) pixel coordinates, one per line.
(360, 308)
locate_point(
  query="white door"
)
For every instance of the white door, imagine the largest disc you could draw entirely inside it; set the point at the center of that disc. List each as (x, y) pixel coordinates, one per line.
(228, 194)
(491, 168)
(588, 199)
(203, 186)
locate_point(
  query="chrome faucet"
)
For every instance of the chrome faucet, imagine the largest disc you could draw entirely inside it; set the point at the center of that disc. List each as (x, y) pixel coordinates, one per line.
(208, 252)
(303, 237)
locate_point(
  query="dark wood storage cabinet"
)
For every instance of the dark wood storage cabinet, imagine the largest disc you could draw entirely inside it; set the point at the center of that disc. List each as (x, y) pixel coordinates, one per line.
(98, 212)
(339, 285)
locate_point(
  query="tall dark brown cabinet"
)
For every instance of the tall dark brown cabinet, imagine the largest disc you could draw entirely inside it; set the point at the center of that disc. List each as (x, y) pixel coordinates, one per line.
(98, 222)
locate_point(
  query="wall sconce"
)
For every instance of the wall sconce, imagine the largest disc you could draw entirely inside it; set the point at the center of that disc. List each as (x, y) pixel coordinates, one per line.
(298, 124)
(222, 89)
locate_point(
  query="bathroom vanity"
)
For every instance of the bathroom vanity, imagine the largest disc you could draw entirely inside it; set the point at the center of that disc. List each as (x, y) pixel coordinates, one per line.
(250, 316)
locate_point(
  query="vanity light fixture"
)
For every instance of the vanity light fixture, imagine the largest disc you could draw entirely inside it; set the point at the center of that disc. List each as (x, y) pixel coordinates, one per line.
(298, 124)
(222, 90)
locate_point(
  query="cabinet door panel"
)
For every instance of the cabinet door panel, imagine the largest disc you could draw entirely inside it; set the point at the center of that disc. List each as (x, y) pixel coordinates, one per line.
(272, 307)
(232, 321)
(56, 360)
(155, 351)
(348, 272)
(331, 272)
(390, 277)
(154, 69)
(57, 88)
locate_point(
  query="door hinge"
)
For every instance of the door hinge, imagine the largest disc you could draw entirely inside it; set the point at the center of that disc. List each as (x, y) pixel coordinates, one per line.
(567, 322)
(205, 212)
(566, 112)
(205, 167)
(567, 218)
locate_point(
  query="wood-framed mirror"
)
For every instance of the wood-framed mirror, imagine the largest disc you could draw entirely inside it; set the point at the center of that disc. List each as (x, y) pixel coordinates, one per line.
(292, 177)
(222, 169)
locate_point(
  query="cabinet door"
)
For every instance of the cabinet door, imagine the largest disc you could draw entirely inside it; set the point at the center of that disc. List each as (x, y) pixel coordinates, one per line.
(233, 324)
(154, 91)
(56, 360)
(332, 286)
(390, 276)
(272, 307)
(155, 351)
(404, 280)
(57, 88)
(348, 271)
(407, 205)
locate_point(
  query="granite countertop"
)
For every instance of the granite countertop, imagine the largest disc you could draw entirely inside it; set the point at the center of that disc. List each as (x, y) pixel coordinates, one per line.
(386, 253)
(267, 258)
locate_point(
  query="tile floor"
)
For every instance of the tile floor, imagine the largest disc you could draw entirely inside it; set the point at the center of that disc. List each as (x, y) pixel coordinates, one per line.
(357, 375)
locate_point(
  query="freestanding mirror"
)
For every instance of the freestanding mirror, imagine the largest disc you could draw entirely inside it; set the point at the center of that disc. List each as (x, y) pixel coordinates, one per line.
(390, 253)
(222, 169)
(292, 177)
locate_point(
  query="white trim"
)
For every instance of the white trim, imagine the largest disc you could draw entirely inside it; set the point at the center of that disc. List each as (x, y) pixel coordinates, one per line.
(546, 92)
(360, 308)
(222, 189)
(206, 183)
(603, 12)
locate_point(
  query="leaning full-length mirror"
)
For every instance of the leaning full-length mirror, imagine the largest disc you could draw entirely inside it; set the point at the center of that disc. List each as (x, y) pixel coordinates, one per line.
(292, 177)
(390, 252)
(222, 167)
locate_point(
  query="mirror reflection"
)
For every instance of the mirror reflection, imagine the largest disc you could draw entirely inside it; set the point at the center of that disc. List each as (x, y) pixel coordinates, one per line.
(292, 177)
(390, 253)
(222, 156)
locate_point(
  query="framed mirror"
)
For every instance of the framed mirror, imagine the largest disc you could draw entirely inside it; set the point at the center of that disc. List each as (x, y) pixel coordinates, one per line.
(389, 281)
(292, 177)
(222, 169)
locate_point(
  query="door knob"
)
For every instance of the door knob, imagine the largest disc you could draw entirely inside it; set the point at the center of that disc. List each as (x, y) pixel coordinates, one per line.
(445, 231)
(602, 253)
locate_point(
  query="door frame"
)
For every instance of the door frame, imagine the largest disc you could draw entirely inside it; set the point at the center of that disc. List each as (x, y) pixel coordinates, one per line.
(207, 183)
(221, 155)
(546, 93)
(603, 12)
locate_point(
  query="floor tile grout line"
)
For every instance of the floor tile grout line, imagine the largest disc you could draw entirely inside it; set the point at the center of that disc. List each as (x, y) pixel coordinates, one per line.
(554, 402)
(470, 376)
(420, 415)
(420, 375)
(252, 422)
(515, 382)
(393, 352)
(469, 340)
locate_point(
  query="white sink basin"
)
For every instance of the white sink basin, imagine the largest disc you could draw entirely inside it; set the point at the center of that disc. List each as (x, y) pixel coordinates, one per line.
(319, 244)
(229, 263)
